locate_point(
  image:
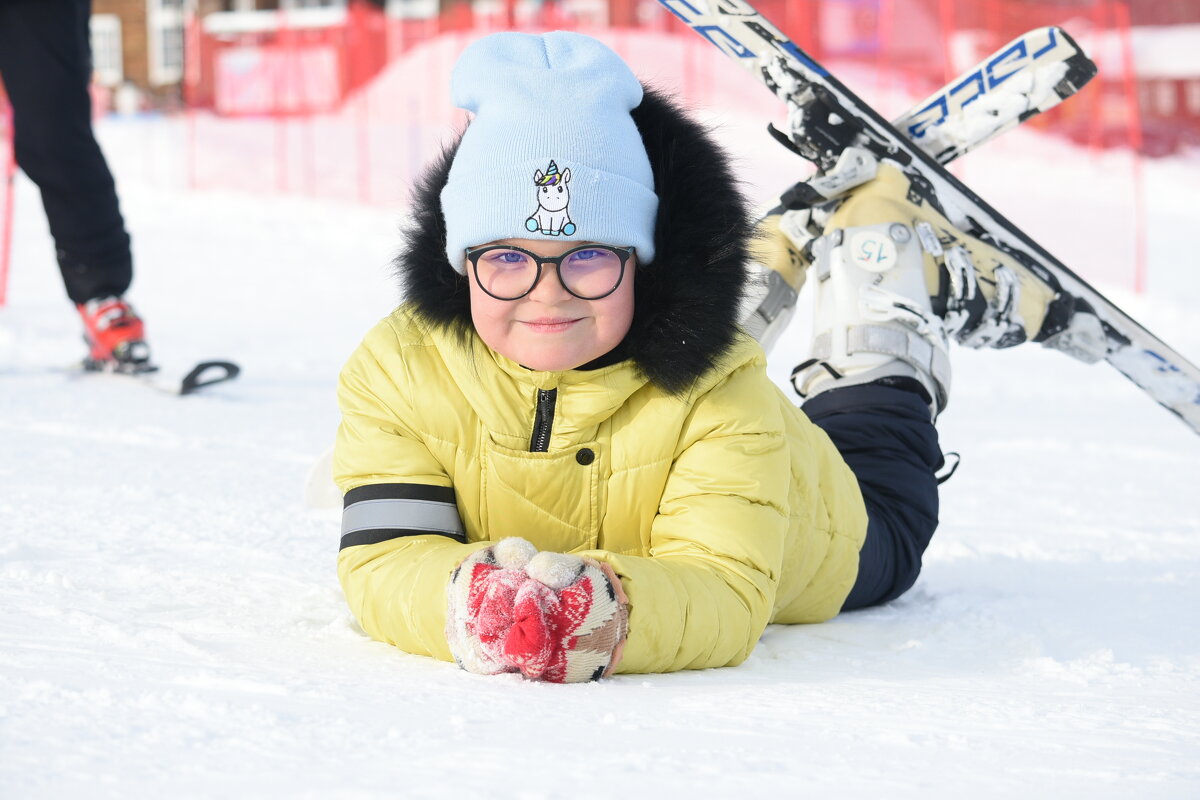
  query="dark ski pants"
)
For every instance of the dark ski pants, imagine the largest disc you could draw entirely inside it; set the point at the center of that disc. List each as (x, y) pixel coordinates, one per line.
(46, 64)
(886, 437)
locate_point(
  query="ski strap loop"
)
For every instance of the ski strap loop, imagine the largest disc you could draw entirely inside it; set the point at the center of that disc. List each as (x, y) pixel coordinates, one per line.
(947, 472)
(206, 373)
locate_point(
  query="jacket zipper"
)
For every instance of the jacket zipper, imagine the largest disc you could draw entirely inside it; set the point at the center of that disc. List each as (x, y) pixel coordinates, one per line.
(542, 422)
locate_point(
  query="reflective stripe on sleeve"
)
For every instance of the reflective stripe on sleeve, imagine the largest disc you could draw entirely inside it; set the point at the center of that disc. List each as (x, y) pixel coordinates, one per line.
(379, 512)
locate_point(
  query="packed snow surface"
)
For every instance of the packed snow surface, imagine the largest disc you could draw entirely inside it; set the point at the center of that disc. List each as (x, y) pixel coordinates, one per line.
(173, 624)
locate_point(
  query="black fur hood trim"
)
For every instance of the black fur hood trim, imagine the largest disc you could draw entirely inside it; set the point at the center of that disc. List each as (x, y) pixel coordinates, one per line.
(685, 302)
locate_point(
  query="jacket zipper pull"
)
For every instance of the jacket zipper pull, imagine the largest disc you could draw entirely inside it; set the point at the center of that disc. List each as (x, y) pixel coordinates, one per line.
(543, 421)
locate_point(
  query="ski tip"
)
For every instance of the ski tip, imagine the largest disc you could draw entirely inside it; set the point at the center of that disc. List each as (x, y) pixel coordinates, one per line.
(207, 373)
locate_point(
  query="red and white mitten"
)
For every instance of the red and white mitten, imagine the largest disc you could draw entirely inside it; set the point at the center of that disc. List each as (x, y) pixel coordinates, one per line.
(552, 617)
(479, 604)
(569, 621)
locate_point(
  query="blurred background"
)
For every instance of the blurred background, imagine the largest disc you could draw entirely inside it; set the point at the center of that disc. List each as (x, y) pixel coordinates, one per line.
(345, 99)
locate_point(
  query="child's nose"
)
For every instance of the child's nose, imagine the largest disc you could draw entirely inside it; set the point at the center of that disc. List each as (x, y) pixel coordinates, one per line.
(549, 288)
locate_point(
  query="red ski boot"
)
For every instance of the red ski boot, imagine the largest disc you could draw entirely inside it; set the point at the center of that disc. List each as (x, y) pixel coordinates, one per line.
(115, 335)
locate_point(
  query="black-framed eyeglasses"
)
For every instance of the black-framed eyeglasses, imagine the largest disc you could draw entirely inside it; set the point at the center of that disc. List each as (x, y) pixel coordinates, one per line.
(589, 272)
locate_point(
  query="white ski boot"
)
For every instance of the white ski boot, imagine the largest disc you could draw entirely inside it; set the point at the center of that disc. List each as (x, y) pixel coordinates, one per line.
(873, 317)
(895, 281)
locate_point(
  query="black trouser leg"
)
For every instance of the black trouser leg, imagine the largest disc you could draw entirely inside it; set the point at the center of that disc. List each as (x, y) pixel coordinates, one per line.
(886, 437)
(45, 61)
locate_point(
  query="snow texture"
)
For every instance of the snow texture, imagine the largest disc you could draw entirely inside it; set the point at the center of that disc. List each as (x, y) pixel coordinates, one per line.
(173, 624)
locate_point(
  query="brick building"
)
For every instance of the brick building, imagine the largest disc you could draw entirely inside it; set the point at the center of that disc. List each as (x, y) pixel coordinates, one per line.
(140, 43)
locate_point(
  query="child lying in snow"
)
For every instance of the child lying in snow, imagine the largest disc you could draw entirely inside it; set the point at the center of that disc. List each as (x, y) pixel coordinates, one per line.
(561, 456)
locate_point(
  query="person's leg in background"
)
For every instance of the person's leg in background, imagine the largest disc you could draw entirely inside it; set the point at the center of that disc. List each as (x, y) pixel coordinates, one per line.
(45, 62)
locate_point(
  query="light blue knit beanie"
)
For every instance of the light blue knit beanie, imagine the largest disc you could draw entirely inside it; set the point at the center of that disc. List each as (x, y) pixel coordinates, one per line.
(552, 151)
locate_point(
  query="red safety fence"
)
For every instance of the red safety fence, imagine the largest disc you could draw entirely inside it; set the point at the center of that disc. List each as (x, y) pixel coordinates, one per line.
(351, 103)
(324, 103)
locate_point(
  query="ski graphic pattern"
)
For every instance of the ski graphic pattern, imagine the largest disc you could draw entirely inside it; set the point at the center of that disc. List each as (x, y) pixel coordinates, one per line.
(1029, 75)
(826, 118)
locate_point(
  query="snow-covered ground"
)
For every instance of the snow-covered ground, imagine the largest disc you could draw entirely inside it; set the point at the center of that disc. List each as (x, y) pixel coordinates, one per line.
(172, 623)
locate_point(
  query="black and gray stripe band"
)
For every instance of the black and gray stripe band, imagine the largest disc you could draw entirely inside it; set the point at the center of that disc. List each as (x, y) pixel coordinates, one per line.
(378, 512)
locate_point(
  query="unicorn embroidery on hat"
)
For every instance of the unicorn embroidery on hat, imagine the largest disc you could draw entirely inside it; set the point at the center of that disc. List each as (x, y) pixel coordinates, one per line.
(552, 217)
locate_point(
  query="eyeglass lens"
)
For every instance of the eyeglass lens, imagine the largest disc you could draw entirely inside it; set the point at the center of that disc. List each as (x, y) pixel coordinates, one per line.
(591, 272)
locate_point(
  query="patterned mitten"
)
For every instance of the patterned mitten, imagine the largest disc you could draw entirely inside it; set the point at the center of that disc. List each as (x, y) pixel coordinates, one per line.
(569, 621)
(480, 600)
(552, 617)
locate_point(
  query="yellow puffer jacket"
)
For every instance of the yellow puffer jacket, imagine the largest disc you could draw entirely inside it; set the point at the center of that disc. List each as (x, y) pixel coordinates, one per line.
(721, 509)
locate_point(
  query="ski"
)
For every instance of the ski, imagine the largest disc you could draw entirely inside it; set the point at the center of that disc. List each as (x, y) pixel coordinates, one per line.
(201, 376)
(1029, 75)
(848, 141)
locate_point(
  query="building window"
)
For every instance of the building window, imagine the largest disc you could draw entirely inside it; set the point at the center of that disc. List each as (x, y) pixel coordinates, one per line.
(412, 9)
(1193, 98)
(164, 23)
(108, 63)
(291, 4)
(1165, 98)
